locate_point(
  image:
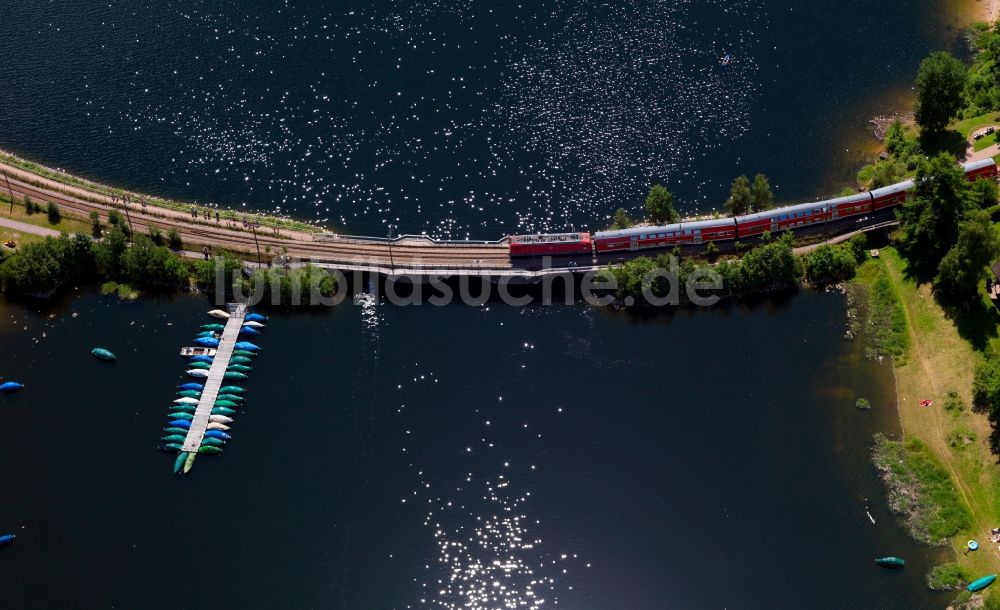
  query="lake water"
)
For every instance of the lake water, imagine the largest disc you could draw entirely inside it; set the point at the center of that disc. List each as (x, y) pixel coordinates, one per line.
(419, 457)
(414, 457)
(458, 118)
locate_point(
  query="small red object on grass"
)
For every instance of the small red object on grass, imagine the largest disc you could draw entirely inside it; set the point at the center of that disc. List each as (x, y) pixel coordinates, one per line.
(926, 403)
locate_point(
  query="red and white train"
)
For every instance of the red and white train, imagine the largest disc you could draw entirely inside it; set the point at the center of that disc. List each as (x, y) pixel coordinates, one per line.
(806, 218)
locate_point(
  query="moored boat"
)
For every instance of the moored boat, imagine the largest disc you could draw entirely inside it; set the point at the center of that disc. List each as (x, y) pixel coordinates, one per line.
(197, 373)
(231, 389)
(210, 441)
(217, 427)
(230, 397)
(175, 430)
(255, 317)
(179, 423)
(179, 462)
(6, 539)
(219, 314)
(171, 447)
(223, 411)
(981, 583)
(890, 562)
(220, 419)
(215, 327)
(186, 401)
(217, 434)
(227, 404)
(247, 346)
(181, 409)
(208, 359)
(200, 365)
(102, 354)
(181, 417)
(253, 324)
(206, 342)
(197, 351)
(233, 375)
(207, 333)
(242, 353)
(210, 450)
(189, 462)
(242, 368)
(249, 331)
(240, 360)
(10, 387)
(173, 438)
(189, 394)
(191, 386)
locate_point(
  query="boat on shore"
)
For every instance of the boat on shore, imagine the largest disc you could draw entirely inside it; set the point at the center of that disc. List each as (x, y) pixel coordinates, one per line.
(890, 562)
(981, 583)
(102, 354)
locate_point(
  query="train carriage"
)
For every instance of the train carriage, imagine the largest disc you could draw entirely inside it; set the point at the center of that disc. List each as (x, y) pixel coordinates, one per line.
(551, 245)
(984, 168)
(892, 195)
(780, 219)
(637, 238)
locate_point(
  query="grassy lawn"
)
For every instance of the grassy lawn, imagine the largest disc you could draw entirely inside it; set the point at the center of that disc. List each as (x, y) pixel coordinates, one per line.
(67, 224)
(985, 141)
(942, 362)
(967, 126)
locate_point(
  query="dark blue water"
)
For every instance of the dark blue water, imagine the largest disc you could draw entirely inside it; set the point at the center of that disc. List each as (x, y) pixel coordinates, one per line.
(458, 118)
(422, 457)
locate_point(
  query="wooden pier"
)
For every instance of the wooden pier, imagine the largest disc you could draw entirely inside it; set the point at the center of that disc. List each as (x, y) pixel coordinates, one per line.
(216, 377)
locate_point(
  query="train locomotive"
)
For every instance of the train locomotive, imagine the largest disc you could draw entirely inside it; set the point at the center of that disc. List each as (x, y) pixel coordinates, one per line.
(836, 215)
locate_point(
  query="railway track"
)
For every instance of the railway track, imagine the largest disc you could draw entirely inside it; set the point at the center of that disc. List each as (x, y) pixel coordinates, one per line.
(299, 244)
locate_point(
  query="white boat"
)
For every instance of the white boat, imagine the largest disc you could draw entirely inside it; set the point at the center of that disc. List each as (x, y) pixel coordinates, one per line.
(253, 324)
(220, 419)
(186, 401)
(217, 426)
(197, 373)
(197, 351)
(218, 313)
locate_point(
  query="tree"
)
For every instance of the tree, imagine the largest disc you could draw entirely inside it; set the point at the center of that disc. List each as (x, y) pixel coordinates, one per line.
(660, 206)
(929, 220)
(940, 86)
(621, 220)
(761, 197)
(895, 138)
(108, 253)
(29, 205)
(986, 386)
(830, 264)
(885, 173)
(962, 267)
(96, 228)
(155, 235)
(53, 213)
(174, 241)
(740, 197)
(983, 193)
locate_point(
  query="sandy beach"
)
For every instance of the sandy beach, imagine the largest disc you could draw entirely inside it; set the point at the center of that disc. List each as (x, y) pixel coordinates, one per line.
(989, 10)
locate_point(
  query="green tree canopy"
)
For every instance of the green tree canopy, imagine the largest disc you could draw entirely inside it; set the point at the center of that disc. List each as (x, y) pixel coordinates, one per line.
(740, 197)
(621, 219)
(929, 220)
(761, 197)
(963, 266)
(940, 86)
(109, 252)
(660, 206)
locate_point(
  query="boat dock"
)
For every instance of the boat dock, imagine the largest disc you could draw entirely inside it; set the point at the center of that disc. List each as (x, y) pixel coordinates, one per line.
(216, 376)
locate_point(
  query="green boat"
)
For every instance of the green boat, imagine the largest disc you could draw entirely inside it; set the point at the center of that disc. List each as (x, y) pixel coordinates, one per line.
(200, 365)
(173, 438)
(244, 353)
(231, 389)
(184, 416)
(183, 408)
(890, 562)
(173, 430)
(215, 327)
(102, 354)
(179, 462)
(239, 367)
(230, 398)
(189, 394)
(981, 583)
(172, 447)
(189, 462)
(241, 360)
(223, 411)
(208, 441)
(227, 404)
(209, 450)
(234, 376)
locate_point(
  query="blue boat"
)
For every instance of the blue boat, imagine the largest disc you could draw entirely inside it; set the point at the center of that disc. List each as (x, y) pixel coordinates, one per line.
(10, 387)
(205, 359)
(249, 331)
(179, 423)
(981, 583)
(191, 386)
(255, 317)
(206, 342)
(179, 462)
(6, 539)
(217, 434)
(206, 333)
(247, 346)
